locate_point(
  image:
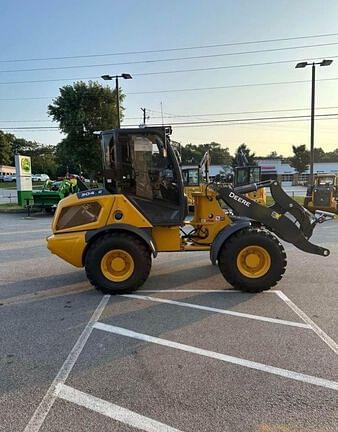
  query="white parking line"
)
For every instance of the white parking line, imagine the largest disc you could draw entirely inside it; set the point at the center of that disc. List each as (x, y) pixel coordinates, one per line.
(330, 342)
(220, 311)
(111, 410)
(218, 356)
(45, 405)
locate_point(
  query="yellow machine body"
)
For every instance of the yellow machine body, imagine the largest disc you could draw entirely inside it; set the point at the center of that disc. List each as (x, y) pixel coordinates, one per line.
(259, 196)
(189, 191)
(96, 212)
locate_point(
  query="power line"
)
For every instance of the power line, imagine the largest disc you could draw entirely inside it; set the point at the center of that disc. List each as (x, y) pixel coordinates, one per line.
(254, 119)
(229, 86)
(50, 129)
(207, 122)
(168, 59)
(169, 71)
(193, 89)
(250, 123)
(240, 112)
(167, 115)
(171, 49)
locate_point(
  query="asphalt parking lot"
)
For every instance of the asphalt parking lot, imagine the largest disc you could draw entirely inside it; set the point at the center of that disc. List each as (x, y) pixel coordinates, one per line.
(184, 353)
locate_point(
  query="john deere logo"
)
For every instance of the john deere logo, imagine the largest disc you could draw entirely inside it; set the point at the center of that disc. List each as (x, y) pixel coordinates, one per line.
(25, 165)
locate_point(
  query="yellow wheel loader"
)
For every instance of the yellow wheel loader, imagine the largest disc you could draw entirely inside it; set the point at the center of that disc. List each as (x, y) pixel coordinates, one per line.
(194, 177)
(324, 194)
(116, 231)
(248, 174)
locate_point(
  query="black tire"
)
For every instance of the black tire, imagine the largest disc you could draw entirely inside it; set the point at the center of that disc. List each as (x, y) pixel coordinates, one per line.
(50, 210)
(227, 260)
(135, 247)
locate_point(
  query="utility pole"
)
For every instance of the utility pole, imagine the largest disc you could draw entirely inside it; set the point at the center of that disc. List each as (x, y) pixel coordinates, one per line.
(162, 113)
(117, 100)
(144, 110)
(312, 134)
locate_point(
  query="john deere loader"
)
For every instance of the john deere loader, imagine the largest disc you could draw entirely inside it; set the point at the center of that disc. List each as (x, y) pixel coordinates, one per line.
(115, 232)
(323, 195)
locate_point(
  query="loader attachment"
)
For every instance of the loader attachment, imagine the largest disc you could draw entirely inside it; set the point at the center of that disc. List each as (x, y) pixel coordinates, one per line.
(286, 218)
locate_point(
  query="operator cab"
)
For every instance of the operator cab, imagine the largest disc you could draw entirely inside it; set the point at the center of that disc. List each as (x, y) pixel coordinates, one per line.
(245, 175)
(142, 164)
(191, 176)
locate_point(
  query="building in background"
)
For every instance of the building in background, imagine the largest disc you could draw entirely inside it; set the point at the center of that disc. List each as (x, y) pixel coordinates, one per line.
(277, 169)
(6, 170)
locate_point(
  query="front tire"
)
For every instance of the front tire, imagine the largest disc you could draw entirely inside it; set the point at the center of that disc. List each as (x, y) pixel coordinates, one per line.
(252, 260)
(117, 263)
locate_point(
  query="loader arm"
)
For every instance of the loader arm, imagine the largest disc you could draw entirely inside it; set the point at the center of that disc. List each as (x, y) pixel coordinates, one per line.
(286, 218)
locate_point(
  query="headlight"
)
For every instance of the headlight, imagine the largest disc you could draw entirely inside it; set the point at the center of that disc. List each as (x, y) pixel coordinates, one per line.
(78, 215)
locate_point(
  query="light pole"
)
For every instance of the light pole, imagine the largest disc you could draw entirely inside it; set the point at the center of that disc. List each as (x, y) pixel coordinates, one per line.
(109, 78)
(313, 91)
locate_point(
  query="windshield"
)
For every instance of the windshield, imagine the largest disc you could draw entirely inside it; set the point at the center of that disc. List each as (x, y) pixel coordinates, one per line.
(325, 181)
(191, 177)
(255, 173)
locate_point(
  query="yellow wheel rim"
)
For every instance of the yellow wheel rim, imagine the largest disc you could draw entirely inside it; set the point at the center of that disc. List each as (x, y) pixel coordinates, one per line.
(253, 261)
(117, 265)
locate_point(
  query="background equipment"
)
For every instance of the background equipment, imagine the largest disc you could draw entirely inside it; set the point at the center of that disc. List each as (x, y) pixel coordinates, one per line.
(247, 174)
(53, 191)
(323, 195)
(194, 176)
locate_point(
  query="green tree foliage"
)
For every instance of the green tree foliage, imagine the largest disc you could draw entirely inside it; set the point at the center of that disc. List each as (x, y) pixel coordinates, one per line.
(300, 160)
(43, 157)
(81, 109)
(321, 156)
(250, 156)
(192, 154)
(5, 149)
(273, 155)
(43, 160)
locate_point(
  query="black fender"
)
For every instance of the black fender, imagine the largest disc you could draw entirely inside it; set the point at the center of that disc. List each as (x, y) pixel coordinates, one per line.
(143, 233)
(224, 234)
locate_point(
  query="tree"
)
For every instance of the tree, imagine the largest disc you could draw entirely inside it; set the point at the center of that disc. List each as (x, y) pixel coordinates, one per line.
(5, 149)
(81, 109)
(273, 155)
(44, 160)
(192, 154)
(243, 149)
(300, 160)
(319, 154)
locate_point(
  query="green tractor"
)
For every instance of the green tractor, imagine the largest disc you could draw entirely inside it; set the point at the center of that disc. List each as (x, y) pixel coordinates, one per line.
(54, 191)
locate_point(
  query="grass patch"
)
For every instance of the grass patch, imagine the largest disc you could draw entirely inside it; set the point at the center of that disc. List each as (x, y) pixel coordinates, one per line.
(12, 185)
(299, 199)
(11, 208)
(15, 208)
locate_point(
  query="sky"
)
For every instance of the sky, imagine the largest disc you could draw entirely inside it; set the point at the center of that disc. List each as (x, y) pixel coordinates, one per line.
(39, 29)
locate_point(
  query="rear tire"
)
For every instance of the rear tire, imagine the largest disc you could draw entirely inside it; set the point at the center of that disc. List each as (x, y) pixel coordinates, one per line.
(117, 263)
(252, 260)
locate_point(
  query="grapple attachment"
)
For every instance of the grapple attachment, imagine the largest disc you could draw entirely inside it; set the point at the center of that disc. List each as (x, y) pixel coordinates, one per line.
(286, 218)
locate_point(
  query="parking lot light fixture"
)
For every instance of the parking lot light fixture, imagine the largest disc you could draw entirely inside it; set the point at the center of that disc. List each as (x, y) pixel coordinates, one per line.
(109, 78)
(301, 65)
(325, 62)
